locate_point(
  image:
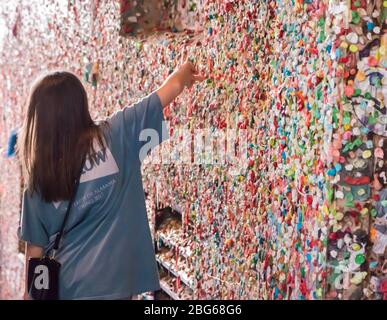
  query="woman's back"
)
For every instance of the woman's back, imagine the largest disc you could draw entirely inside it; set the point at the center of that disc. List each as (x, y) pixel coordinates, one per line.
(107, 243)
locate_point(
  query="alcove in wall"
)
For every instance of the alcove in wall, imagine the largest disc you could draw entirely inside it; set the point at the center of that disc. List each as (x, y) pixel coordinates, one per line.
(144, 17)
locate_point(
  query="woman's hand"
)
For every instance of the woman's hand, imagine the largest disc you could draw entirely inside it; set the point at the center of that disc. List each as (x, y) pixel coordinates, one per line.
(185, 76)
(188, 75)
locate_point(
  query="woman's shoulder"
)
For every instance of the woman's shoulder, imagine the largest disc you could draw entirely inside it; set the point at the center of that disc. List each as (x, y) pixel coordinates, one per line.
(33, 199)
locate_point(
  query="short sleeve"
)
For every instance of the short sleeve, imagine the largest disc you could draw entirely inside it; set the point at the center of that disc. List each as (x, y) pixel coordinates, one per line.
(31, 228)
(140, 125)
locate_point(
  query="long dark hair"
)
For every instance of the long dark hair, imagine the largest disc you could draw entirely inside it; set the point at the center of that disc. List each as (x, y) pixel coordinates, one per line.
(57, 133)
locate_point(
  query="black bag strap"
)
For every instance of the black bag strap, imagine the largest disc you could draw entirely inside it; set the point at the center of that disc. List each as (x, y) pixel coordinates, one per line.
(71, 201)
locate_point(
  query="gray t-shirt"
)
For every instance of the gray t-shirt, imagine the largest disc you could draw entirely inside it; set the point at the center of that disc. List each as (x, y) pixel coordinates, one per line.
(107, 250)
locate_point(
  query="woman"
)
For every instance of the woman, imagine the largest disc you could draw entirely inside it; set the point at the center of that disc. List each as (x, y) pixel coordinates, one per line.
(106, 251)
